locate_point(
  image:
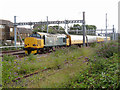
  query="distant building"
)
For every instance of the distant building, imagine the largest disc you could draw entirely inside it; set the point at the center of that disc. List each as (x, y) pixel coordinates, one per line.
(5, 26)
(7, 32)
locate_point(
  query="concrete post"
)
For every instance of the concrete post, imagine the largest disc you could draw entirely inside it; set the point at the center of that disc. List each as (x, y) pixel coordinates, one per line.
(15, 36)
(113, 33)
(47, 24)
(84, 29)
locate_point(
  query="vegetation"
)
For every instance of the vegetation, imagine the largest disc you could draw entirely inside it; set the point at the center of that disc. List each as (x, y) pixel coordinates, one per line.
(70, 67)
(59, 29)
(0, 72)
(79, 27)
(51, 29)
(12, 48)
(103, 71)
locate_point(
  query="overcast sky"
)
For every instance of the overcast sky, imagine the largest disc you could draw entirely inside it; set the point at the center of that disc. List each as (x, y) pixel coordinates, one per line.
(37, 10)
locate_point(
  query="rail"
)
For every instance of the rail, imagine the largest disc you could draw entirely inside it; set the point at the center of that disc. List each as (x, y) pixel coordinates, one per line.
(11, 46)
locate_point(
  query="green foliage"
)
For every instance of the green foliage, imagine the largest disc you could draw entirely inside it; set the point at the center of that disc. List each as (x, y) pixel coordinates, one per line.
(93, 44)
(107, 49)
(91, 27)
(31, 57)
(103, 71)
(79, 27)
(70, 67)
(76, 27)
(8, 57)
(51, 29)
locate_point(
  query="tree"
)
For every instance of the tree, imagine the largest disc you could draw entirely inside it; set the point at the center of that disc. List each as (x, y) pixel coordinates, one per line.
(76, 27)
(91, 27)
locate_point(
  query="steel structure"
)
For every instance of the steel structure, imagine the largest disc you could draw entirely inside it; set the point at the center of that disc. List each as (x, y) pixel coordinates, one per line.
(50, 22)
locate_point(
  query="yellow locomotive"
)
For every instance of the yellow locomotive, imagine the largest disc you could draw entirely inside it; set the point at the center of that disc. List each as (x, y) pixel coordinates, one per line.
(38, 42)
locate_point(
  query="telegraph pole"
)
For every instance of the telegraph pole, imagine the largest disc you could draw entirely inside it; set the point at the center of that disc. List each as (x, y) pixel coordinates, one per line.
(15, 37)
(47, 24)
(106, 27)
(83, 29)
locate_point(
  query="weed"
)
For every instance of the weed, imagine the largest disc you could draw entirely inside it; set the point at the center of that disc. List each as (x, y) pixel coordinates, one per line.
(31, 57)
(8, 57)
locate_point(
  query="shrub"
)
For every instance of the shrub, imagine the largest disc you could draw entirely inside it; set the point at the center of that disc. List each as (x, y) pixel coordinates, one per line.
(8, 57)
(107, 49)
(31, 57)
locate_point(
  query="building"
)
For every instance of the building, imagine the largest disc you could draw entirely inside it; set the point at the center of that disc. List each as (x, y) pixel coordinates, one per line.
(7, 32)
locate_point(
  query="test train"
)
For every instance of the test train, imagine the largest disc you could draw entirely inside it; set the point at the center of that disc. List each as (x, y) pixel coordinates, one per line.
(38, 41)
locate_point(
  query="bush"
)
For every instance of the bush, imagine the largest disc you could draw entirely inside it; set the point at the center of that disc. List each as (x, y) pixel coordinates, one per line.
(31, 57)
(107, 49)
(8, 57)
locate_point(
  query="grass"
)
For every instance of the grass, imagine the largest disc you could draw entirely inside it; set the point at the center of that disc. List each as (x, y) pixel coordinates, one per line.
(59, 79)
(0, 72)
(17, 68)
(101, 74)
(70, 67)
(104, 68)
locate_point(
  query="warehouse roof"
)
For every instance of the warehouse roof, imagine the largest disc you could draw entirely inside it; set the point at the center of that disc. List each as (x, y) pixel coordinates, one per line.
(6, 22)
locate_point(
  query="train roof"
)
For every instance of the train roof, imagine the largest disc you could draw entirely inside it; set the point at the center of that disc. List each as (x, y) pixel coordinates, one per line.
(51, 35)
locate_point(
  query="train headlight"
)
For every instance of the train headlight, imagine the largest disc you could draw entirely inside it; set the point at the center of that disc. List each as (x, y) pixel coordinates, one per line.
(25, 45)
(34, 44)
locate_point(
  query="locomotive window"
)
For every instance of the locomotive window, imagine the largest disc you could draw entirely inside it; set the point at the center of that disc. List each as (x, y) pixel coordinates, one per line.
(38, 36)
(35, 35)
(64, 39)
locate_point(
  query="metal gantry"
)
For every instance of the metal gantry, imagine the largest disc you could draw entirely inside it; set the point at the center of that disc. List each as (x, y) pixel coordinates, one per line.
(50, 22)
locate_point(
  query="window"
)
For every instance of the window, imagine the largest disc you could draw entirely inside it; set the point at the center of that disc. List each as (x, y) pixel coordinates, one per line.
(11, 29)
(35, 35)
(2, 26)
(64, 40)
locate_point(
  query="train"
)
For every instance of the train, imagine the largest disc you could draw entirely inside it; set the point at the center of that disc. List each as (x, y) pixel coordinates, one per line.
(39, 41)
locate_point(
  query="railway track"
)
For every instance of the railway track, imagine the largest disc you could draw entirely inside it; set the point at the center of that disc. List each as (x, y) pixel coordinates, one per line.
(19, 79)
(17, 53)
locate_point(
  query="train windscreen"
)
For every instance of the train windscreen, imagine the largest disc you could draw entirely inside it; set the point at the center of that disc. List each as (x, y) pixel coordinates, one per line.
(35, 35)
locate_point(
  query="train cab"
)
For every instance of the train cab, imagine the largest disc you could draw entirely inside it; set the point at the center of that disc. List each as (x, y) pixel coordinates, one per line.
(33, 43)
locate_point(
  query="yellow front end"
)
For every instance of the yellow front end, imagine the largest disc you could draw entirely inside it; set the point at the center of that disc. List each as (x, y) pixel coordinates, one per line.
(68, 43)
(108, 38)
(31, 45)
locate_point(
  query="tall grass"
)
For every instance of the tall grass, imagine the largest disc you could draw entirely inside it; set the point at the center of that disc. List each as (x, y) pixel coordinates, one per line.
(0, 72)
(73, 67)
(107, 49)
(56, 60)
(104, 68)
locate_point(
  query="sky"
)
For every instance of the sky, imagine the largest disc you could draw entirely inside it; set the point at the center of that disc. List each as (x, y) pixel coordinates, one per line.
(37, 10)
